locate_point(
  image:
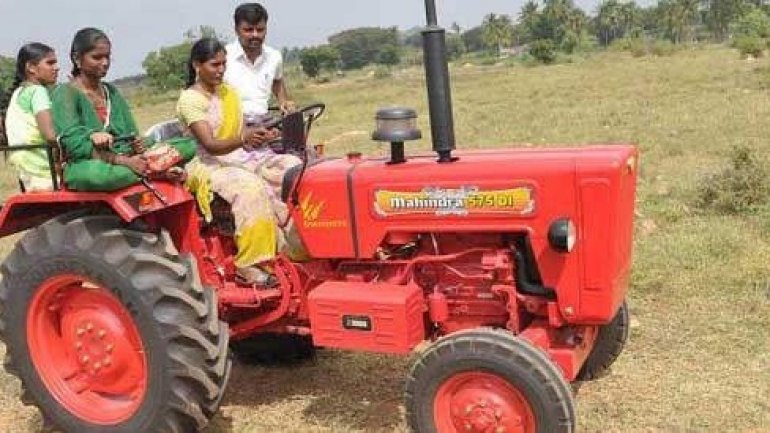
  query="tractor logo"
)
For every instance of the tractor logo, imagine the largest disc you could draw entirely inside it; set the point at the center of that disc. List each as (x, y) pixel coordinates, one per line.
(463, 201)
(312, 215)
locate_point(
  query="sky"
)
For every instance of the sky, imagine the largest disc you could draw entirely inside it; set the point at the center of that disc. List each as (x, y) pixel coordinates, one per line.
(137, 27)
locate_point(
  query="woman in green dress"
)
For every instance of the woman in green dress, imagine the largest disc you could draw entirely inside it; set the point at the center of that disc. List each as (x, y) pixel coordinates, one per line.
(89, 113)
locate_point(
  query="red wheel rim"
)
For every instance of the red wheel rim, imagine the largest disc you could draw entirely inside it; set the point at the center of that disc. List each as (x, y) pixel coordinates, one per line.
(87, 350)
(479, 402)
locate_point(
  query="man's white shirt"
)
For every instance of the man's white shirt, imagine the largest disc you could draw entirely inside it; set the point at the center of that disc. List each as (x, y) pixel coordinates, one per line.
(253, 81)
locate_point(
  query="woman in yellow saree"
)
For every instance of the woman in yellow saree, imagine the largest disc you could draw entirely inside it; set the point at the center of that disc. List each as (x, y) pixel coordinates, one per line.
(211, 110)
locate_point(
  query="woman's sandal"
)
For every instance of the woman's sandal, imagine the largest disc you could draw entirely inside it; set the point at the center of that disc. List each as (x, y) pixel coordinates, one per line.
(256, 276)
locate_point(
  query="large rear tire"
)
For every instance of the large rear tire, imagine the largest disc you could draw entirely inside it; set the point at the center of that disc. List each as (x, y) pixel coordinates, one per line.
(109, 329)
(609, 344)
(487, 380)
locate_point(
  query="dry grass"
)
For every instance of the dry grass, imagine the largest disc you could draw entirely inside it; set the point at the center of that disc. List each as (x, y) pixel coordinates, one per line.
(699, 355)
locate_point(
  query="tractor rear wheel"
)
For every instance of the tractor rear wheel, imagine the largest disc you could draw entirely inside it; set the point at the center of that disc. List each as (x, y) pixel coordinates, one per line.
(609, 344)
(487, 380)
(109, 329)
(274, 349)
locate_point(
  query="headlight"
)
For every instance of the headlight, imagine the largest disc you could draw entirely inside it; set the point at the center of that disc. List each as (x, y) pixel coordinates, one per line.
(562, 235)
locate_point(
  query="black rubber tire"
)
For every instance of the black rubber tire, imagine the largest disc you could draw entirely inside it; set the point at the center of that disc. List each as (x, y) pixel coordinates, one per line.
(609, 344)
(274, 349)
(186, 343)
(513, 359)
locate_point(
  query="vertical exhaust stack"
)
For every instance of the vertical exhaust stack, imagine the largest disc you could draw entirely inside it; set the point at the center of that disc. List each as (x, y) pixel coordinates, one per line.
(439, 92)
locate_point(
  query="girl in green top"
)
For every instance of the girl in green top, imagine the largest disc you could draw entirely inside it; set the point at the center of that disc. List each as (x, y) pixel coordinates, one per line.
(89, 113)
(28, 115)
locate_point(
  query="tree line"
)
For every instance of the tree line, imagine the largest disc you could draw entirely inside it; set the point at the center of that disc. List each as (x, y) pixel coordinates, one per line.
(541, 29)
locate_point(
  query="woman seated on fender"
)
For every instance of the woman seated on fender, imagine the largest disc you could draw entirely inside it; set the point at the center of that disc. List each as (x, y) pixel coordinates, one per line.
(212, 112)
(28, 118)
(89, 113)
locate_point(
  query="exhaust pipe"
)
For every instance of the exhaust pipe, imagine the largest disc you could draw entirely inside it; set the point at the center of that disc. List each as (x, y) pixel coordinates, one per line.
(439, 91)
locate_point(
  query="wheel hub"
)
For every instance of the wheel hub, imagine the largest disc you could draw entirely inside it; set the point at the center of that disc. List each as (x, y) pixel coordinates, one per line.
(87, 349)
(482, 403)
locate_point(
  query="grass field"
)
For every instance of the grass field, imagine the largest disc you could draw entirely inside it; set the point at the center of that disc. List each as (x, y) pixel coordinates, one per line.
(699, 355)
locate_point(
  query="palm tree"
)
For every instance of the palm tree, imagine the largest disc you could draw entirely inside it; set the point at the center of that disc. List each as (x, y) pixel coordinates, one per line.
(498, 31)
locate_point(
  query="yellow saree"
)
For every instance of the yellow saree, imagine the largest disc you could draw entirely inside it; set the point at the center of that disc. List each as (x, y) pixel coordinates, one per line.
(256, 233)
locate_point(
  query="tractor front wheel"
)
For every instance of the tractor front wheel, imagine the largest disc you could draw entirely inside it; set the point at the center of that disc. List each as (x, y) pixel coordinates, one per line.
(110, 330)
(487, 380)
(609, 344)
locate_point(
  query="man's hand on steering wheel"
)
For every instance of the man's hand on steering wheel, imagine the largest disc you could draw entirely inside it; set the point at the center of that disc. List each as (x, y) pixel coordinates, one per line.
(287, 106)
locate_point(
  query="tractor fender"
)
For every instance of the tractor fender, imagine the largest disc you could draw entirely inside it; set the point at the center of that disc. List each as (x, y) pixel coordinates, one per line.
(26, 210)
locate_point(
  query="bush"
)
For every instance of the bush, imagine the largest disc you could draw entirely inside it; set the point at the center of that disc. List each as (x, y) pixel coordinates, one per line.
(636, 46)
(314, 60)
(663, 48)
(749, 46)
(741, 187)
(543, 50)
(382, 72)
(754, 23)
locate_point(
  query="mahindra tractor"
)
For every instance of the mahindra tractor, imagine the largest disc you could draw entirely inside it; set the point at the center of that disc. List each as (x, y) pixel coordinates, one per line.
(502, 272)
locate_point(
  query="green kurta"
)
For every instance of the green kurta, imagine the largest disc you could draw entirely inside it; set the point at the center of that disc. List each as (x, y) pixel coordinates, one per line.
(75, 120)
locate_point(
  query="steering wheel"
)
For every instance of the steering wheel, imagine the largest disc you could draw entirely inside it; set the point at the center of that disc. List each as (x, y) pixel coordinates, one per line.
(299, 122)
(309, 113)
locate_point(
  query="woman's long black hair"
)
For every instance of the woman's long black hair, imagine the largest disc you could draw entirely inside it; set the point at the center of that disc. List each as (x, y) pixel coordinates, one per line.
(30, 53)
(84, 41)
(202, 51)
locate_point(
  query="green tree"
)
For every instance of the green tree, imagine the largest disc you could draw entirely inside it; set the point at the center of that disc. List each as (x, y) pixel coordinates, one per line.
(543, 50)
(473, 39)
(455, 47)
(389, 55)
(719, 14)
(166, 68)
(315, 60)
(498, 31)
(559, 21)
(362, 46)
(615, 20)
(7, 73)
(754, 23)
(678, 19)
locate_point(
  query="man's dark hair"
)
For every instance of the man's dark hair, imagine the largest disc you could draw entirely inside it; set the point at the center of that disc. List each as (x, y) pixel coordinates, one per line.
(251, 13)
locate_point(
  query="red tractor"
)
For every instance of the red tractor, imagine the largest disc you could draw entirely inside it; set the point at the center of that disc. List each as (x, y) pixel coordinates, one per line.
(119, 310)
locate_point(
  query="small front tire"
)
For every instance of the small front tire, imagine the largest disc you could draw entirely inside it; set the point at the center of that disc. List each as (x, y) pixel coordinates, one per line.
(487, 380)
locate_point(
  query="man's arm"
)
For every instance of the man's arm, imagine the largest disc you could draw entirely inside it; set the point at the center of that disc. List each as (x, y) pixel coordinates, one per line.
(282, 96)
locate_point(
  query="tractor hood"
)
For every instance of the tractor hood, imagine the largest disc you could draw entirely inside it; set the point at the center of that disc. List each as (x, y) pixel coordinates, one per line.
(349, 206)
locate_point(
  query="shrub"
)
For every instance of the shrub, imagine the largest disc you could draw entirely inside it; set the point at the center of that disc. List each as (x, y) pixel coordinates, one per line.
(636, 46)
(741, 187)
(382, 72)
(543, 50)
(663, 48)
(749, 46)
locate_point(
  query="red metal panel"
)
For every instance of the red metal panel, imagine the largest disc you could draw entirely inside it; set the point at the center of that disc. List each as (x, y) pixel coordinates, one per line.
(607, 192)
(394, 313)
(23, 211)
(323, 215)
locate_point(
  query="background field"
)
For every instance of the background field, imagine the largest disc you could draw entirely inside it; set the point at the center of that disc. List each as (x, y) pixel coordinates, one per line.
(699, 355)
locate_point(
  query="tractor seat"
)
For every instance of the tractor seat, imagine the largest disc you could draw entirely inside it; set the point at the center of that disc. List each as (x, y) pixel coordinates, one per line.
(165, 130)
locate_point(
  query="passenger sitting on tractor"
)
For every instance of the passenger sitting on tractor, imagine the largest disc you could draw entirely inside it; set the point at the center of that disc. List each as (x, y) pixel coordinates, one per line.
(255, 70)
(28, 116)
(212, 112)
(89, 113)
